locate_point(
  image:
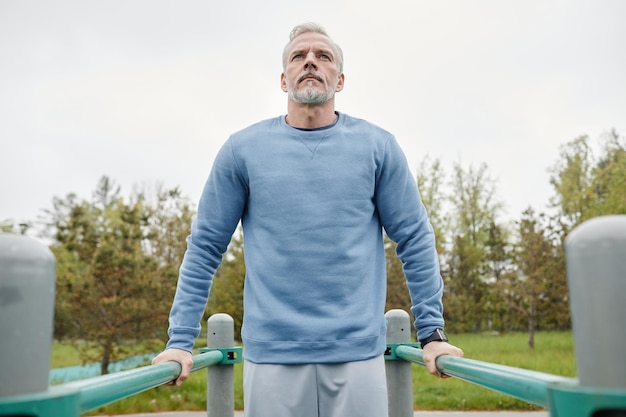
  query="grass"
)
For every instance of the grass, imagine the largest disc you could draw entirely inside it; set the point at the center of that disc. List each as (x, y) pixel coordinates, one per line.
(67, 354)
(64, 354)
(553, 353)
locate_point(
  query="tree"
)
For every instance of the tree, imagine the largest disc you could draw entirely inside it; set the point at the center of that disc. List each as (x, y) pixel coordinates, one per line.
(587, 187)
(169, 224)
(227, 289)
(430, 179)
(9, 226)
(499, 263)
(466, 290)
(110, 289)
(398, 296)
(571, 179)
(539, 285)
(475, 211)
(609, 178)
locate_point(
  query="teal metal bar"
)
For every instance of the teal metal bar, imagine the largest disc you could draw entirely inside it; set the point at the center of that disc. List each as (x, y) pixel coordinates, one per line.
(230, 356)
(584, 402)
(529, 386)
(99, 391)
(76, 398)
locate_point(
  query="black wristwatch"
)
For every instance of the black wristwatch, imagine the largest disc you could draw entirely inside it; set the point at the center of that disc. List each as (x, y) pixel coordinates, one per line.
(438, 336)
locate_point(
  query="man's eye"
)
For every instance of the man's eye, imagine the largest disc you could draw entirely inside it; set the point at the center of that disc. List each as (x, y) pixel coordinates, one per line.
(325, 57)
(296, 56)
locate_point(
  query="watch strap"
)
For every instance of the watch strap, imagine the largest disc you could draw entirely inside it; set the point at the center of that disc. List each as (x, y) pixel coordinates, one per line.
(437, 336)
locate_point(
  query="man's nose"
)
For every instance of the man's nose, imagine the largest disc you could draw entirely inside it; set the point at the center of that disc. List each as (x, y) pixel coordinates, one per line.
(310, 61)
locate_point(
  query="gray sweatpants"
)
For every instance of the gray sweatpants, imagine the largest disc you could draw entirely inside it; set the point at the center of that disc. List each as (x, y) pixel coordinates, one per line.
(352, 389)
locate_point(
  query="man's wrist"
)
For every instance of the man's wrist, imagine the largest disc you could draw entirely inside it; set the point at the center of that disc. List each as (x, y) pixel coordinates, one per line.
(437, 336)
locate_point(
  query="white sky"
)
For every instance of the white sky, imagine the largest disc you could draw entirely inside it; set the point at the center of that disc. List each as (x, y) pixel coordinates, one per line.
(147, 91)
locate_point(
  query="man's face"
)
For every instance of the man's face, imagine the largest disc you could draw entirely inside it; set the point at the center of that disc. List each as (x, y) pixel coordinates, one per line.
(311, 74)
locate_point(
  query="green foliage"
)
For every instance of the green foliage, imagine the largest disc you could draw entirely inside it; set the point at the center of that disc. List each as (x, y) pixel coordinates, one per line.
(169, 221)
(397, 291)
(430, 181)
(537, 290)
(609, 178)
(586, 186)
(227, 291)
(69, 353)
(571, 179)
(115, 269)
(470, 257)
(10, 226)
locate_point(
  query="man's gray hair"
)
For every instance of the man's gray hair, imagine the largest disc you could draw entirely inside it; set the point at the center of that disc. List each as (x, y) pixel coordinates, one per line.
(311, 27)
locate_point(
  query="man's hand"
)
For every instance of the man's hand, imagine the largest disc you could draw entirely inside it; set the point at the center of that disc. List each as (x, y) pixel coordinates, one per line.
(184, 358)
(435, 349)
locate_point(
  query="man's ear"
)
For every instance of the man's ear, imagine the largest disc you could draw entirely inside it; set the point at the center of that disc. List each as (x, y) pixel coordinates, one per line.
(283, 82)
(340, 82)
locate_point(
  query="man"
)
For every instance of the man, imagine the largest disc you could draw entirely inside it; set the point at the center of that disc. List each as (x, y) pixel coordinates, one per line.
(313, 190)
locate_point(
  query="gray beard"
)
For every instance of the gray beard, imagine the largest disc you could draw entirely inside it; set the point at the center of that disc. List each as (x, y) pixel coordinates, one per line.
(311, 95)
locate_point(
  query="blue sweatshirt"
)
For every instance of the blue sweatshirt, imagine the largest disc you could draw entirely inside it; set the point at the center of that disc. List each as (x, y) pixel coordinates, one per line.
(313, 205)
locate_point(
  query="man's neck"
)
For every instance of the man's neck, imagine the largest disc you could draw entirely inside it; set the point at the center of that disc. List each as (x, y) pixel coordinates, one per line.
(306, 116)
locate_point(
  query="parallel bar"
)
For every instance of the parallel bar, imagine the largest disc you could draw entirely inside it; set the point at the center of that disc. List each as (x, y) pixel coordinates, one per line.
(98, 391)
(529, 386)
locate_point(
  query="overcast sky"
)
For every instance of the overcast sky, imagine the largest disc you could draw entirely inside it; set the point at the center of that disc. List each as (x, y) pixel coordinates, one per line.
(147, 91)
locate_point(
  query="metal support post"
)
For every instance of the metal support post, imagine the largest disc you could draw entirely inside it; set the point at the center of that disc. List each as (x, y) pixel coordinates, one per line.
(221, 379)
(596, 273)
(27, 282)
(399, 375)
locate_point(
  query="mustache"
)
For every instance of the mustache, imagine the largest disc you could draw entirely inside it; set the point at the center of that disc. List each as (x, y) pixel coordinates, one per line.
(310, 75)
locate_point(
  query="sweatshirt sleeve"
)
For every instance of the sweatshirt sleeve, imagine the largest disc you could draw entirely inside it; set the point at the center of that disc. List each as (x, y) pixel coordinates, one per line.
(220, 208)
(406, 222)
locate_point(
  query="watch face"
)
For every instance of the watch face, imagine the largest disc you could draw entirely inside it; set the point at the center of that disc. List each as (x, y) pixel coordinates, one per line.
(442, 335)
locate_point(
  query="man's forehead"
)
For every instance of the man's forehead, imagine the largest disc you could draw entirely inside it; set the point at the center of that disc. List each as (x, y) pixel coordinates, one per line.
(312, 40)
